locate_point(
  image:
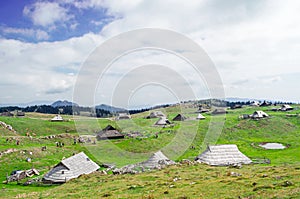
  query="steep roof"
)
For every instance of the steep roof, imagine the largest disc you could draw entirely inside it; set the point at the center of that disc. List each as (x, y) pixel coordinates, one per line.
(223, 155)
(259, 114)
(162, 121)
(202, 110)
(286, 107)
(123, 116)
(219, 111)
(254, 103)
(57, 118)
(9, 114)
(156, 160)
(70, 168)
(200, 117)
(156, 114)
(109, 127)
(109, 134)
(179, 117)
(265, 103)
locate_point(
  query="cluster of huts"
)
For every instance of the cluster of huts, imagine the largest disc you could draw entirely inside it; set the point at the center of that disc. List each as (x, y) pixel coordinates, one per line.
(14, 113)
(110, 132)
(80, 164)
(215, 155)
(283, 107)
(256, 115)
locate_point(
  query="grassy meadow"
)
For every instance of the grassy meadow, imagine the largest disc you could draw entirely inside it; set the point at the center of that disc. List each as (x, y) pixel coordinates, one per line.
(279, 179)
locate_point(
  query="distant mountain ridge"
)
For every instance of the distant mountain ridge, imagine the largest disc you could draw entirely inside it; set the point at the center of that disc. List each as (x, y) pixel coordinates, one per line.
(110, 108)
(60, 103)
(113, 109)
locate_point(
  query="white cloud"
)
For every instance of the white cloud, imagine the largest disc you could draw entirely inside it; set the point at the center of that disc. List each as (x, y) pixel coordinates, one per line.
(245, 39)
(46, 14)
(31, 69)
(37, 34)
(42, 35)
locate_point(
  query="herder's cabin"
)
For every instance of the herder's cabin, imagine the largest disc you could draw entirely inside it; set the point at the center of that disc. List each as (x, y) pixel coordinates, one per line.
(156, 114)
(123, 116)
(200, 117)
(57, 118)
(219, 112)
(162, 122)
(70, 168)
(156, 160)
(286, 107)
(109, 132)
(7, 114)
(223, 155)
(179, 117)
(20, 114)
(258, 115)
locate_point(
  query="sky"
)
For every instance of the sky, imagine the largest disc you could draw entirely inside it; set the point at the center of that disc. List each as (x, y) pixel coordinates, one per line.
(254, 46)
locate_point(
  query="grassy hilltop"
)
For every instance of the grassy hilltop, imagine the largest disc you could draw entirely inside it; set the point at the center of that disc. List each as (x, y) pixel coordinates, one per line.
(280, 179)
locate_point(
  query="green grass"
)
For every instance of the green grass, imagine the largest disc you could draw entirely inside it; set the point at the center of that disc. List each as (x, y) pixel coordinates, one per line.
(247, 134)
(196, 181)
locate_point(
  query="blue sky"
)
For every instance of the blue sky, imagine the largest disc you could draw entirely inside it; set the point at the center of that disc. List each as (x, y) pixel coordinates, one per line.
(254, 45)
(35, 21)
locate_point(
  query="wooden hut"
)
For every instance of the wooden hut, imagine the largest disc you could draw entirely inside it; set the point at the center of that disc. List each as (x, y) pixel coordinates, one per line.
(123, 116)
(7, 114)
(179, 117)
(219, 112)
(156, 160)
(109, 132)
(57, 118)
(162, 122)
(286, 107)
(258, 115)
(223, 155)
(200, 117)
(155, 114)
(70, 168)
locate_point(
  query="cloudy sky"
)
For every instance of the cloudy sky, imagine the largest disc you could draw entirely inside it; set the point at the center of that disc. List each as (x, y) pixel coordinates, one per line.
(254, 44)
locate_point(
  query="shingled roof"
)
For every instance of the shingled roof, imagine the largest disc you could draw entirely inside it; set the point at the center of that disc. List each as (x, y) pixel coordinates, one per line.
(179, 117)
(109, 127)
(162, 121)
(259, 114)
(218, 111)
(200, 117)
(156, 160)
(70, 168)
(111, 134)
(223, 155)
(156, 114)
(57, 118)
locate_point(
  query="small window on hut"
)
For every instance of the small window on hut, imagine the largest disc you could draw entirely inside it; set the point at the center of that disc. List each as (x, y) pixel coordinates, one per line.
(62, 172)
